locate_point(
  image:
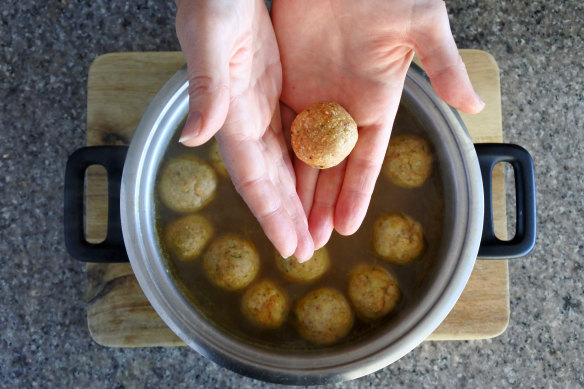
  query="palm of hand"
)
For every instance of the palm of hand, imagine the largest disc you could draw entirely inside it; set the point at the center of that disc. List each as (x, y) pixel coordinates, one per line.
(356, 54)
(259, 164)
(234, 87)
(258, 159)
(326, 68)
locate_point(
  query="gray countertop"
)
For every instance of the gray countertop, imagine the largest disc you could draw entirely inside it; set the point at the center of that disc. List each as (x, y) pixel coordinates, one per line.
(46, 50)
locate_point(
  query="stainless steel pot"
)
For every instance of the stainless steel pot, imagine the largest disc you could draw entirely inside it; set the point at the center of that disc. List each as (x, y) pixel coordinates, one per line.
(468, 231)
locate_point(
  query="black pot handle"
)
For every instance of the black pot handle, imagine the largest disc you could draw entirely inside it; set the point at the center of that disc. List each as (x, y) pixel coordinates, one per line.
(522, 243)
(112, 249)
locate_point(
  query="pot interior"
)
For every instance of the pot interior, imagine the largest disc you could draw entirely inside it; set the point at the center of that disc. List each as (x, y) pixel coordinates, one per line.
(430, 291)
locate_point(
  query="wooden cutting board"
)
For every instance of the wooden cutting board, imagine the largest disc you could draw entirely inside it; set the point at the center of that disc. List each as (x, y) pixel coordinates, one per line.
(120, 88)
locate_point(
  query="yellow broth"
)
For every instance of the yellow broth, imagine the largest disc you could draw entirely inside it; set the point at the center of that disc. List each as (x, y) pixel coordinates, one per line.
(229, 214)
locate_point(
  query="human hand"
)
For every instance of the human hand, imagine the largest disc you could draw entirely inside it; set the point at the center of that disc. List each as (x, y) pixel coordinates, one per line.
(235, 79)
(357, 53)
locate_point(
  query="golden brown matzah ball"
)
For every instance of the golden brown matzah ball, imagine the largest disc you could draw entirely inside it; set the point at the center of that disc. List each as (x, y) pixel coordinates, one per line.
(187, 236)
(265, 304)
(187, 184)
(373, 291)
(307, 271)
(408, 161)
(231, 262)
(323, 135)
(397, 238)
(323, 316)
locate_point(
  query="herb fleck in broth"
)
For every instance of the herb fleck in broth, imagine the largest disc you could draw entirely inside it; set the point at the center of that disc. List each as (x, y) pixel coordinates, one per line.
(229, 214)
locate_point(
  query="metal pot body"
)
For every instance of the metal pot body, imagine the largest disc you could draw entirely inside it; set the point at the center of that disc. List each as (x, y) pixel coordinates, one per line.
(463, 191)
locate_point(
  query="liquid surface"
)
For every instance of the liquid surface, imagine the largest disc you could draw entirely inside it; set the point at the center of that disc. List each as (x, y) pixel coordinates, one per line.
(229, 214)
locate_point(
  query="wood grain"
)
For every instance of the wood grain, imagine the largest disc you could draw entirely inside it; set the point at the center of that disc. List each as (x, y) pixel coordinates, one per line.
(120, 87)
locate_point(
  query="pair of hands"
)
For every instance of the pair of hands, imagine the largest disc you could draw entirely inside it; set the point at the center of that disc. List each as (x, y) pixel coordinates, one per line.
(241, 63)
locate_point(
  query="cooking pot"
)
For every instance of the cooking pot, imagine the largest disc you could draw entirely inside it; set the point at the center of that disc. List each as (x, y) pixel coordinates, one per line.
(466, 171)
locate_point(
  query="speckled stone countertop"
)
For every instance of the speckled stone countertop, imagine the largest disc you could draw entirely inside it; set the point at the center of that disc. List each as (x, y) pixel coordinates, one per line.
(46, 50)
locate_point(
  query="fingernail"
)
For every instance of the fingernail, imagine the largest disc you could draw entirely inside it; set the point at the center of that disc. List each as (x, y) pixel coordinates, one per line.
(286, 257)
(192, 127)
(482, 103)
(301, 258)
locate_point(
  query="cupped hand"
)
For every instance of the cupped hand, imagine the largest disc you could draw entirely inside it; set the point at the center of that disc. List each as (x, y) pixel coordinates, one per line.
(357, 53)
(235, 80)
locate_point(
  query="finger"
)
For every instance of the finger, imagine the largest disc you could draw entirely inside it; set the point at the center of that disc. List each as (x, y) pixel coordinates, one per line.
(361, 174)
(306, 176)
(434, 44)
(264, 201)
(287, 114)
(283, 176)
(282, 136)
(321, 221)
(251, 178)
(207, 56)
(306, 179)
(304, 242)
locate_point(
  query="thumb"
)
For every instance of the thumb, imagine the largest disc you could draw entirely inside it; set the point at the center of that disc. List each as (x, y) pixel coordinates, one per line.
(437, 50)
(208, 72)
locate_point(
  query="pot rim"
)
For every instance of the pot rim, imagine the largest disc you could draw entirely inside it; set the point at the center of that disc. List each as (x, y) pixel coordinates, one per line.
(155, 131)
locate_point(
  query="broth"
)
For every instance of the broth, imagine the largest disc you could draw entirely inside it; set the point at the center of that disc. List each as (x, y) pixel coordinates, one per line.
(229, 214)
